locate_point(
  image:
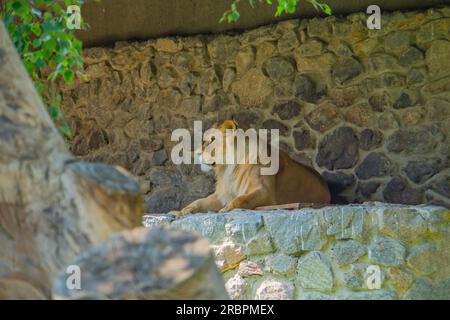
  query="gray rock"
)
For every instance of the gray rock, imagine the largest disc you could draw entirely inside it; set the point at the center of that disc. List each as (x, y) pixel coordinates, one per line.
(260, 244)
(411, 57)
(271, 289)
(411, 141)
(419, 171)
(374, 165)
(403, 223)
(345, 222)
(338, 150)
(278, 68)
(441, 185)
(314, 272)
(162, 200)
(338, 181)
(281, 264)
(287, 111)
(346, 69)
(303, 139)
(398, 40)
(405, 100)
(387, 251)
(370, 139)
(384, 294)
(210, 226)
(358, 276)
(304, 88)
(295, 232)
(379, 101)
(398, 191)
(368, 188)
(426, 289)
(237, 287)
(427, 258)
(346, 252)
(244, 227)
(274, 124)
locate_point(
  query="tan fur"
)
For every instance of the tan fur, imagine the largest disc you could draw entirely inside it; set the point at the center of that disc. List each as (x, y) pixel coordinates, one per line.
(242, 186)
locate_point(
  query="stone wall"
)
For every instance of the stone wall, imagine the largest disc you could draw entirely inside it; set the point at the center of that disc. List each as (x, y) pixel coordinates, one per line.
(329, 253)
(370, 110)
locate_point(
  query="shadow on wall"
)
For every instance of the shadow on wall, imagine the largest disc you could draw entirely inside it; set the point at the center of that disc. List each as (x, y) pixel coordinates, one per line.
(369, 110)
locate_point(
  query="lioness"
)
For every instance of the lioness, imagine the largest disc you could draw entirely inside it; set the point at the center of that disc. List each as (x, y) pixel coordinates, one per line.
(242, 185)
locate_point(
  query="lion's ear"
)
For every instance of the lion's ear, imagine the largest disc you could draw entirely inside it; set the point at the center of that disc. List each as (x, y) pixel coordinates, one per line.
(229, 124)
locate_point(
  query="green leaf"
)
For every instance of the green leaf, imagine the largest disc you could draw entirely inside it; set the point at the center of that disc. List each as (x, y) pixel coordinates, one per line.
(68, 76)
(327, 10)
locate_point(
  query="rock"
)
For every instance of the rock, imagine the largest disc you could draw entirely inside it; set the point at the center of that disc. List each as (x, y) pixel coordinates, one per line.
(374, 165)
(208, 82)
(278, 68)
(245, 59)
(311, 295)
(243, 227)
(441, 185)
(338, 181)
(272, 289)
(370, 139)
(249, 268)
(402, 279)
(405, 100)
(303, 139)
(398, 40)
(380, 101)
(425, 289)
(228, 254)
(346, 69)
(436, 55)
(411, 57)
(159, 157)
(358, 276)
(237, 287)
(314, 272)
(215, 103)
(319, 28)
(360, 115)
(247, 119)
(281, 264)
(211, 227)
(421, 170)
(167, 45)
(384, 294)
(383, 62)
(252, 89)
(338, 150)
(368, 188)
(162, 200)
(323, 118)
(405, 224)
(340, 48)
(346, 252)
(293, 233)
(398, 191)
(229, 75)
(427, 259)
(223, 49)
(260, 244)
(287, 111)
(344, 222)
(274, 124)
(344, 97)
(410, 141)
(310, 48)
(287, 42)
(183, 62)
(386, 251)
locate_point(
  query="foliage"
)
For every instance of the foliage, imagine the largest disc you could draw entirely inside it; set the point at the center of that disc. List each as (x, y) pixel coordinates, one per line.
(287, 6)
(48, 48)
